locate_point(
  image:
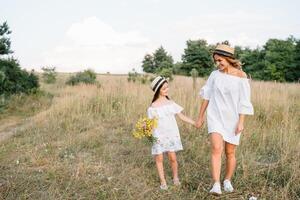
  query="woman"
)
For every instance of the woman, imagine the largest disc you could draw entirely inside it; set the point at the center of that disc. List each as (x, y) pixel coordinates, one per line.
(226, 97)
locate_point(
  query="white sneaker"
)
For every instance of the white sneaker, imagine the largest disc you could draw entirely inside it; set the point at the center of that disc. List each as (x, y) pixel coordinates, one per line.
(216, 189)
(227, 186)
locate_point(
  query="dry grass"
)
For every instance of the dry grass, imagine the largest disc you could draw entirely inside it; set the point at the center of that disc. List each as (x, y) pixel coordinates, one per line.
(81, 146)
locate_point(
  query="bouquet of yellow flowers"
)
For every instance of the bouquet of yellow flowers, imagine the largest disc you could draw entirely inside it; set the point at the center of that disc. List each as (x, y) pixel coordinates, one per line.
(144, 129)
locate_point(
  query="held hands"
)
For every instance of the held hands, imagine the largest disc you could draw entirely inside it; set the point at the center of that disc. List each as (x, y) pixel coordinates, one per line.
(193, 123)
(199, 122)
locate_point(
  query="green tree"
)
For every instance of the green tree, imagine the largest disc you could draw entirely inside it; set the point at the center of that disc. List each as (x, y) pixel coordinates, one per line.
(158, 61)
(2, 77)
(4, 39)
(162, 60)
(238, 50)
(197, 56)
(177, 68)
(253, 62)
(13, 78)
(148, 64)
(276, 60)
(279, 57)
(293, 73)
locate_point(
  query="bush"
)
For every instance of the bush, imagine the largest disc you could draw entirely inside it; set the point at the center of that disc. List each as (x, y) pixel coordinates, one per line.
(194, 73)
(49, 74)
(132, 76)
(87, 77)
(167, 73)
(144, 79)
(15, 80)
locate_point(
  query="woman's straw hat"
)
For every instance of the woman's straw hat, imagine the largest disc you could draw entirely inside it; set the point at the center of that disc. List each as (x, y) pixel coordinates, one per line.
(224, 50)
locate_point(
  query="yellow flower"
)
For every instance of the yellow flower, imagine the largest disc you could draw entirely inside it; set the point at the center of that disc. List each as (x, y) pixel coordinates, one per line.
(144, 129)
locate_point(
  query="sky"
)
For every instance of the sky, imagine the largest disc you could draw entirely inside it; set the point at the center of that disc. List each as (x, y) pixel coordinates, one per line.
(114, 35)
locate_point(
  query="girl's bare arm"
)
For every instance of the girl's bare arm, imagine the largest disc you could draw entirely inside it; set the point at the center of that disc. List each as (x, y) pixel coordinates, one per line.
(186, 119)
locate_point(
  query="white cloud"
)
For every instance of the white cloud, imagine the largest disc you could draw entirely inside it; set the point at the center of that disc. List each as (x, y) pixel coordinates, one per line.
(240, 28)
(94, 44)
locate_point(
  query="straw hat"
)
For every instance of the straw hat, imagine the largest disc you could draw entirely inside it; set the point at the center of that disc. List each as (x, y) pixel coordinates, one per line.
(157, 82)
(224, 50)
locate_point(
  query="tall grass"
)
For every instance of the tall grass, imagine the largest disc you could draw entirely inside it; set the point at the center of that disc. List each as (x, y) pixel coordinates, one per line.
(81, 146)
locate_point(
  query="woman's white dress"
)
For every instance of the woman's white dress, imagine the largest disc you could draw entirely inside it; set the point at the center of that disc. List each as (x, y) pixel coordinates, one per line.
(166, 132)
(228, 97)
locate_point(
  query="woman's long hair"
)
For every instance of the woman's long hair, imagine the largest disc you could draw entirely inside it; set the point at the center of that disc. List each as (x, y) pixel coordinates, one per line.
(156, 95)
(232, 61)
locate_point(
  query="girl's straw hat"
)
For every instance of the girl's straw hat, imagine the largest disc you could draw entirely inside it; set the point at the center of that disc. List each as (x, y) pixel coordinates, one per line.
(157, 82)
(224, 50)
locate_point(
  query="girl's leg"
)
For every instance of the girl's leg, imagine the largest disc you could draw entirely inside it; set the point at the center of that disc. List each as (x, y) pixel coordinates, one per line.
(230, 160)
(174, 164)
(216, 155)
(160, 168)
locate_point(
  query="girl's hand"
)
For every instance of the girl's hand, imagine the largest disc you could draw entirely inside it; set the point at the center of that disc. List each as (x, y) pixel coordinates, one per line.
(199, 122)
(193, 123)
(239, 128)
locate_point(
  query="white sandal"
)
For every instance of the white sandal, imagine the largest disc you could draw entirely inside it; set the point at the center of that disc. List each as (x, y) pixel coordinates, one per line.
(176, 182)
(163, 187)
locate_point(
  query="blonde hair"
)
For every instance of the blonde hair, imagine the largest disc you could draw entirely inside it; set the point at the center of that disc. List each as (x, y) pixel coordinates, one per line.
(232, 61)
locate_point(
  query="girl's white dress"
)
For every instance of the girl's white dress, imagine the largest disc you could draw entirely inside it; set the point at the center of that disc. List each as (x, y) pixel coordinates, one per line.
(166, 132)
(228, 97)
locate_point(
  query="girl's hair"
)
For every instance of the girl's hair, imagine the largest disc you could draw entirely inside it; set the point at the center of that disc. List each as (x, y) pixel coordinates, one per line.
(234, 62)
(156, 95)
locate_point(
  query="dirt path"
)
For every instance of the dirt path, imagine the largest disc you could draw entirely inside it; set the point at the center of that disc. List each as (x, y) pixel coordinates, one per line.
(11, 126)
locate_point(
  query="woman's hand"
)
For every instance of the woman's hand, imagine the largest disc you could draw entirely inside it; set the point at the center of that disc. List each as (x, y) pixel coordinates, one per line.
(202, 110)
(199, 122)
(239, 128)
(240, 125)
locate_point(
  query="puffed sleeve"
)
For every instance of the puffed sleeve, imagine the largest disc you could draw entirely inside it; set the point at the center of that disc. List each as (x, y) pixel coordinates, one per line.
(245, 106)
(206, 90)
(150, 113)
(177, 108)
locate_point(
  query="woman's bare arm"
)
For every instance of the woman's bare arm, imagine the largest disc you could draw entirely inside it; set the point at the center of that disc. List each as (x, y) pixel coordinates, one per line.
(202, 110)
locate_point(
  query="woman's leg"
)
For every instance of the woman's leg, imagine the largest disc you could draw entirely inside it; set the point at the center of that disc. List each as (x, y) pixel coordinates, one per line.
(174, 164)
(230, 160)
(216, 155)
(160, 168)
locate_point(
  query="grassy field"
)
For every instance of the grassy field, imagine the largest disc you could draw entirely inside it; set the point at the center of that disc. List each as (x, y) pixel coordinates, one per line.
(77, 144)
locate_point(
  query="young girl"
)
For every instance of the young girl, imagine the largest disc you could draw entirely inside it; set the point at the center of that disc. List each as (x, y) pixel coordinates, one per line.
(226, 97)
(166, 132)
